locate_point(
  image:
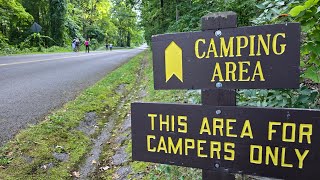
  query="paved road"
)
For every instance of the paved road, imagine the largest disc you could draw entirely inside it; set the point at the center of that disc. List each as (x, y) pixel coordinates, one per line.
(31, 86)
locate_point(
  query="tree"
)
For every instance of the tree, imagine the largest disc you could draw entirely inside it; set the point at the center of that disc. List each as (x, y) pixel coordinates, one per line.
(58, 11)
(14, 21)
(160, 16)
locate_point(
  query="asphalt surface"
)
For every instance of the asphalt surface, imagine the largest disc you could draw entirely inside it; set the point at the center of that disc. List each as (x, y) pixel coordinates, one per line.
(32, 86)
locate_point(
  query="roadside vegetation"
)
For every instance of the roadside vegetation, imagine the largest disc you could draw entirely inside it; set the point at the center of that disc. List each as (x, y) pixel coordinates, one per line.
(56, 147)
(144, 170)
(103, 21)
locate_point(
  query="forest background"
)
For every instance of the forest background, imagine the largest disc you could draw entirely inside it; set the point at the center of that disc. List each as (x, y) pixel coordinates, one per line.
(103, 21)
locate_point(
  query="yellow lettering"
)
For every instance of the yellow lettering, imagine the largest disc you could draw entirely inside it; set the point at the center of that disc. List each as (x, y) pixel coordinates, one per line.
(149, 137)
(226, 50)
(239, 46)
(301, 157)
(229, 148)
(283, 158)
(271, 130)
(231, 71)
(229, 127)
(284, 132)
(258, 72)
(305, 130)
(182, 121)
(205, 126)
(272, 154)
(175, 148)
(274, 44)
(164, 122)
(172, 123)
(217, 126)
(200, 148)
(242, 70)
(264, 45)
(215, 147)
(252, 45)
(196, 48)
(162, 145)
(189, 144)
(252, 150)
(217, 72)
(212, 49)
(152, 116)
(246, 130)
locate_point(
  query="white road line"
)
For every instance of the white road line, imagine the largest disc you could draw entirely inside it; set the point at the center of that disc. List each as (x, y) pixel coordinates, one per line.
(43, 60)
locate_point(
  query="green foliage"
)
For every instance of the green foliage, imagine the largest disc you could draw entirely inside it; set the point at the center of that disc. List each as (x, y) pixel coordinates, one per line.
(180, 16)
(108, 21)
(309, 16)
(4, 160)
(307, 13)
(124, 18)
(303, 97)
(307, 96)
(58, 10)
(60, 132)
(271, 9)
(36, 40)
(14, 22)
(94, 44)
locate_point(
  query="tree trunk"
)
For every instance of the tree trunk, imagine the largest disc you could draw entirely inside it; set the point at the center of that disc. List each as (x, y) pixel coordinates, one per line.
(129, 39)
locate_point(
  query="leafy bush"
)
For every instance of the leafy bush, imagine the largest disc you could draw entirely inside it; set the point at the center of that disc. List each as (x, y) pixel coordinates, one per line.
(94, 44)
(271, 9)
(36, 40)
(308, 14)
(303, 97)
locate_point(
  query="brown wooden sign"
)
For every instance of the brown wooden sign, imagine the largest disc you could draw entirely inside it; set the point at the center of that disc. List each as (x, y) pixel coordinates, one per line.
(281, 143)
(234, 58)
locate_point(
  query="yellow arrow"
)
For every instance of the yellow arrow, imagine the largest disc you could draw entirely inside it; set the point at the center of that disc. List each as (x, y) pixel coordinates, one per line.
(173, 61)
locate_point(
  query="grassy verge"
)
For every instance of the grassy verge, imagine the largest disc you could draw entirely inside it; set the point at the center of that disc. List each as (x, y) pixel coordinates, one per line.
(30, 154)
(15, 51)
(144, 170)
(54, 49)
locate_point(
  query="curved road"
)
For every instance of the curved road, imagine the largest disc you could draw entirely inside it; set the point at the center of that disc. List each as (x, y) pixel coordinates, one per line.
(31, 86)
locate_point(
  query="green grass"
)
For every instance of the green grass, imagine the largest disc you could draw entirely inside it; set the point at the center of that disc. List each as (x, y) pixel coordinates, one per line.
(25, 156)
(152, 170)
(11, 51)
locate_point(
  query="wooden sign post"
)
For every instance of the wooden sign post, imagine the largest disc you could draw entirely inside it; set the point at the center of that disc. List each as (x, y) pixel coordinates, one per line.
(218, 136)
(218, 97)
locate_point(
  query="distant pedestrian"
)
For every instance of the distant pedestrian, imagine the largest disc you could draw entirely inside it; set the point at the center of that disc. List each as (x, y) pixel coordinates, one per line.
(87, 44)
(110, 47)
(73, 44)
(77, 44)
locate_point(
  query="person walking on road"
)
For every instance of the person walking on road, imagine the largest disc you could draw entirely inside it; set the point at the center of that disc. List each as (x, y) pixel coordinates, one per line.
(74, 45)
(87, 44)
(110, 47)
(77, 45)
